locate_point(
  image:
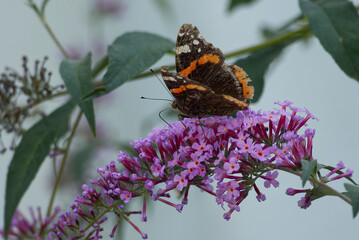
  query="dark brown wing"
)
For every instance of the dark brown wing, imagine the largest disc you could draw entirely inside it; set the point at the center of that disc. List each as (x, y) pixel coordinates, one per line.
(201, 61)
(194, 99)
(190, 47)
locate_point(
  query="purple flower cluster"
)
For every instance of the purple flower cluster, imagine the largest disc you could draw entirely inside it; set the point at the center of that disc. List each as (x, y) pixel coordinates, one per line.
(223, 156)
(37, 227)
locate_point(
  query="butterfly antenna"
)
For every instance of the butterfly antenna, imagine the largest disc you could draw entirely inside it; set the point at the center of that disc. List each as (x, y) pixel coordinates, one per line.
(159, 114)
(161, 82)
(160, 99)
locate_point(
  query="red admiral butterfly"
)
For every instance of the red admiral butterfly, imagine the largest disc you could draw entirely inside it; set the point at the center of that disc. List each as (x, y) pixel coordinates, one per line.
(204, 84)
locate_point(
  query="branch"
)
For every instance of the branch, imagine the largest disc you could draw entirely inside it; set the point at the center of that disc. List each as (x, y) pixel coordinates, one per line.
(41, 15)
(63, 163)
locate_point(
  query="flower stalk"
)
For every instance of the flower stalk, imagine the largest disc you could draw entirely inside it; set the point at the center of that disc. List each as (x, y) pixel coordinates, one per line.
(41, 15)
(63, 163)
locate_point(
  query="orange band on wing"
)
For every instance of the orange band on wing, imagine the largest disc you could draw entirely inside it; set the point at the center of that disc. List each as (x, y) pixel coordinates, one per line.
(208, 58)
(241, 75)
(193, 86)
(187, 71)
(178, 90)
(204, 59)
(236, 101)
(183, 88)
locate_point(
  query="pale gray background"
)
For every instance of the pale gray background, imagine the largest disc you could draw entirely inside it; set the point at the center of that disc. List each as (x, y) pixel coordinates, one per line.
(305, 74)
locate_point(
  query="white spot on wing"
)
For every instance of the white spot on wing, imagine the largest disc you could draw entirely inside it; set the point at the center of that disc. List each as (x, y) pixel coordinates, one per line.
(169, 79)
(192, 36)
(181, 34)
(199, 50)
(195, 42)
(183, 49)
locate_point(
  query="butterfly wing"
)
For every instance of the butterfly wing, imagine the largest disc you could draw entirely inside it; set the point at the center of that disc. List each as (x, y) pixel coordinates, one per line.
(194, 99)
(199, 60)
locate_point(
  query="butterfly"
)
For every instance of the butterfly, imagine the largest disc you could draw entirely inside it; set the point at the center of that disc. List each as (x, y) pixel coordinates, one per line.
(204, 84)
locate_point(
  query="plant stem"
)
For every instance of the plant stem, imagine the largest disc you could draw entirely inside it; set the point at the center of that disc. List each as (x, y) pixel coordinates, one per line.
(321, 184)
(41, 15)
(335, 192)
(63, 163)
(47, 27)
(99, 66)
(98, 218)
(269, 43)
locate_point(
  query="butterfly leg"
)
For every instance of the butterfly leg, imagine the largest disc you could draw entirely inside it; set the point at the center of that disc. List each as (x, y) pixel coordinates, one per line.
(204, 134)
(183, 116)
(159, 114)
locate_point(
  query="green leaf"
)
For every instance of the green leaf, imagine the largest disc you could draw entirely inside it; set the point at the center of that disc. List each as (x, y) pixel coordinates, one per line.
(131, 54)
(353, 194)
(77, 78)
(308, 168)
(335, 23)
(237, 3)
(257, 64)
(29, 155)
